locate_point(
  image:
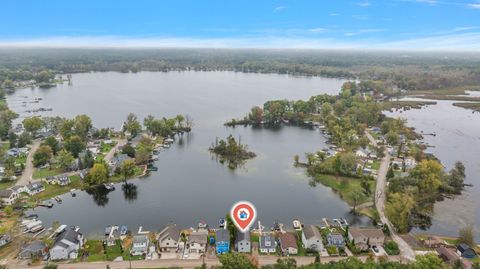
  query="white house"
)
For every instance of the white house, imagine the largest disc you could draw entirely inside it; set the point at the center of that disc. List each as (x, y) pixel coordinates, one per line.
(168, 238)
(311, 238)
(242, 242)
(410, 163)
(268, 244)
(67, 245)
(8, 197)
(197, 242)
(140, 245)
(34, 188)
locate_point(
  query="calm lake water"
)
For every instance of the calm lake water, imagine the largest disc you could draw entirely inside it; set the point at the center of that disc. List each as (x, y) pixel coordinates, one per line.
(457, 139)
(190, 185)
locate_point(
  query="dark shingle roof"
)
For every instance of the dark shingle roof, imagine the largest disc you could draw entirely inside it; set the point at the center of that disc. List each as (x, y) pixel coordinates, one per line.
(169, 230)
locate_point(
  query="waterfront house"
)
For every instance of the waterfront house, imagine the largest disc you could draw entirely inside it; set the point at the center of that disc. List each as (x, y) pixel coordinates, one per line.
(362, 153)
(397, 163)
(5, 239)
(63, 180)
(466, 251)
(8, 197)
(242, 242)
(365, 238)
(140, 245)
(34, 250)
(18, 189)
(410, 163)
(222, 243)
(448, 255)
(168, 238)
(67, 245)
(433, 242)
(311, 238)
(267, 244)
(197, 242)
(336, 240)
(34, 188)
(288, 244)
(117, 161)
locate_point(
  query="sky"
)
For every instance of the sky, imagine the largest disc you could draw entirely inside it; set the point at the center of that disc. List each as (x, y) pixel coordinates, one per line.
(315, 24)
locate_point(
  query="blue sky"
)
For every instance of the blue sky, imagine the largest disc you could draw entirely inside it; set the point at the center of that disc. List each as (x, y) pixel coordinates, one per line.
(362, 24)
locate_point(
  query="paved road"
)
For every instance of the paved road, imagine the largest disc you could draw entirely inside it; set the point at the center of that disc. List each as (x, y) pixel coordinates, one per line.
(111, 153)
(405, 250)
(262, 260)
(28, 171)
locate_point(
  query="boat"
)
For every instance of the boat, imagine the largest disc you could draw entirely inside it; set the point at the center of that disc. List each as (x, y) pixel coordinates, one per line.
(123, 230)
(72, 192)
(151, 167)
(109, 186)
(58, 199)
(169, 140)
(165, 146)
(297, 225)
(31, 216)
(108, 229)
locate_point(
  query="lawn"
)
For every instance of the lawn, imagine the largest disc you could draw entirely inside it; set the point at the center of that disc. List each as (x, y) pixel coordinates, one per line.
(46, 172)
(95, 250)
(104, 148)
(345, 187)
(114, 251)
(301, 250)
(54, 190)
(22, 159)
(5, 184)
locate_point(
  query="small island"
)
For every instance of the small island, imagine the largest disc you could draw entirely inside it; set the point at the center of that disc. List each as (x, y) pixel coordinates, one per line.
(231, 151)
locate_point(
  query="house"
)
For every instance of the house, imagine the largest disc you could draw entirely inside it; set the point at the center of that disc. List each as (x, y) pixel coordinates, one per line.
(362, 153)
(18, 189)
(466, 251)
(197, 242)
(8, 197)
(242, 242)
(63, 180)
(34, 188)
(397, 163)
(267, 244)
(222, 243)
(447, 254)
(288, 244)
(36, 249)
(336, 239)
(67, 244)
(364, 238)
(433, 242)
(5, 239)
(117, 161)
(140, 245)
(311, 238)
(168, 238)
(410, 163)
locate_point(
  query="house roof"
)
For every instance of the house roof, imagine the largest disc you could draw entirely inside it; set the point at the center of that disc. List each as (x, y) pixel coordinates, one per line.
(335, 236)
(243, 236)
(356, 232)
(139, 239)
(197, 237)
(311, 231)
(171, 231)
(34, 186)
(222, 235)
(5, 193)
(447, 254)
(267, 238)
(288, 240)
(33, 247)
(68, 234)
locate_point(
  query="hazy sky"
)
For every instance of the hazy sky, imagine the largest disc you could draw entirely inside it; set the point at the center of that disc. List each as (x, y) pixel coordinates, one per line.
(388, 24)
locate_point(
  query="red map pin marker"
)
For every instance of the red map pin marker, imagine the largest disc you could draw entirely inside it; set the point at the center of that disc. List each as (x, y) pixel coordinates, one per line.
(243, 214)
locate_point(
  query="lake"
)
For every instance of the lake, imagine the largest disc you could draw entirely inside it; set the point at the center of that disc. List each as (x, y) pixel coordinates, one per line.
(190, 184)
(457, 139)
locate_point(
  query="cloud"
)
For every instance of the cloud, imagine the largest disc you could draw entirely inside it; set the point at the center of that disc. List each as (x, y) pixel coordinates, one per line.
(364, 4)
(462, 41)
(474, 5)
(334, 14)
(430, 2)
(465, 28)
(317, 30)
(279, 8)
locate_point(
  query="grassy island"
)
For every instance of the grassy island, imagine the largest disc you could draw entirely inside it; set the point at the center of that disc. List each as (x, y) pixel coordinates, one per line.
(231, 151)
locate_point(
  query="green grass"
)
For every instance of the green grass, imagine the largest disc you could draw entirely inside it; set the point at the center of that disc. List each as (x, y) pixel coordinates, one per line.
(301, 249)
(54, 190)
(95, 250)
(376, 165)
(6, 184)
(255, 238)
(22, 159)
(345, 187)
(46, 172)
(104, 148)
(114, 251)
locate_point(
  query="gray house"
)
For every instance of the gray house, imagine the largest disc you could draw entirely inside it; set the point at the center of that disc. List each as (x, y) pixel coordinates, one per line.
(35, 249)
(140, 245)
(311, 238)
(168, 238)
(67, 244)
(268, 244)
(242, 242)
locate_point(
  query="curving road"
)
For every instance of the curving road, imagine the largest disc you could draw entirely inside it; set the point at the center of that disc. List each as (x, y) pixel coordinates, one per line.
(28, 171)
(405, 250)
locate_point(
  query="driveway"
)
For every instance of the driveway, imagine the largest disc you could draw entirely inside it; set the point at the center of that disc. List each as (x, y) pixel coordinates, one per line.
(29, 168)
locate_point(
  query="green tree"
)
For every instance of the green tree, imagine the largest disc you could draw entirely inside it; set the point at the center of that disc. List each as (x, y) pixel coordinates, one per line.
(98, 174)
(42, 156)
(33, 124)
(82, 125)
(24, 139)
(127, 169)
(398, 210)
(10, 167)
(52, 142)
(44, 76)
(8, 210)
(129, 150)
(466, 235)
(180, 119)
(428, 261)
(132, 125)
(429, 175)
(357, 197)
(235, 261)
(256, 114)
(288, 263)
(64, 159)
(75, 145)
